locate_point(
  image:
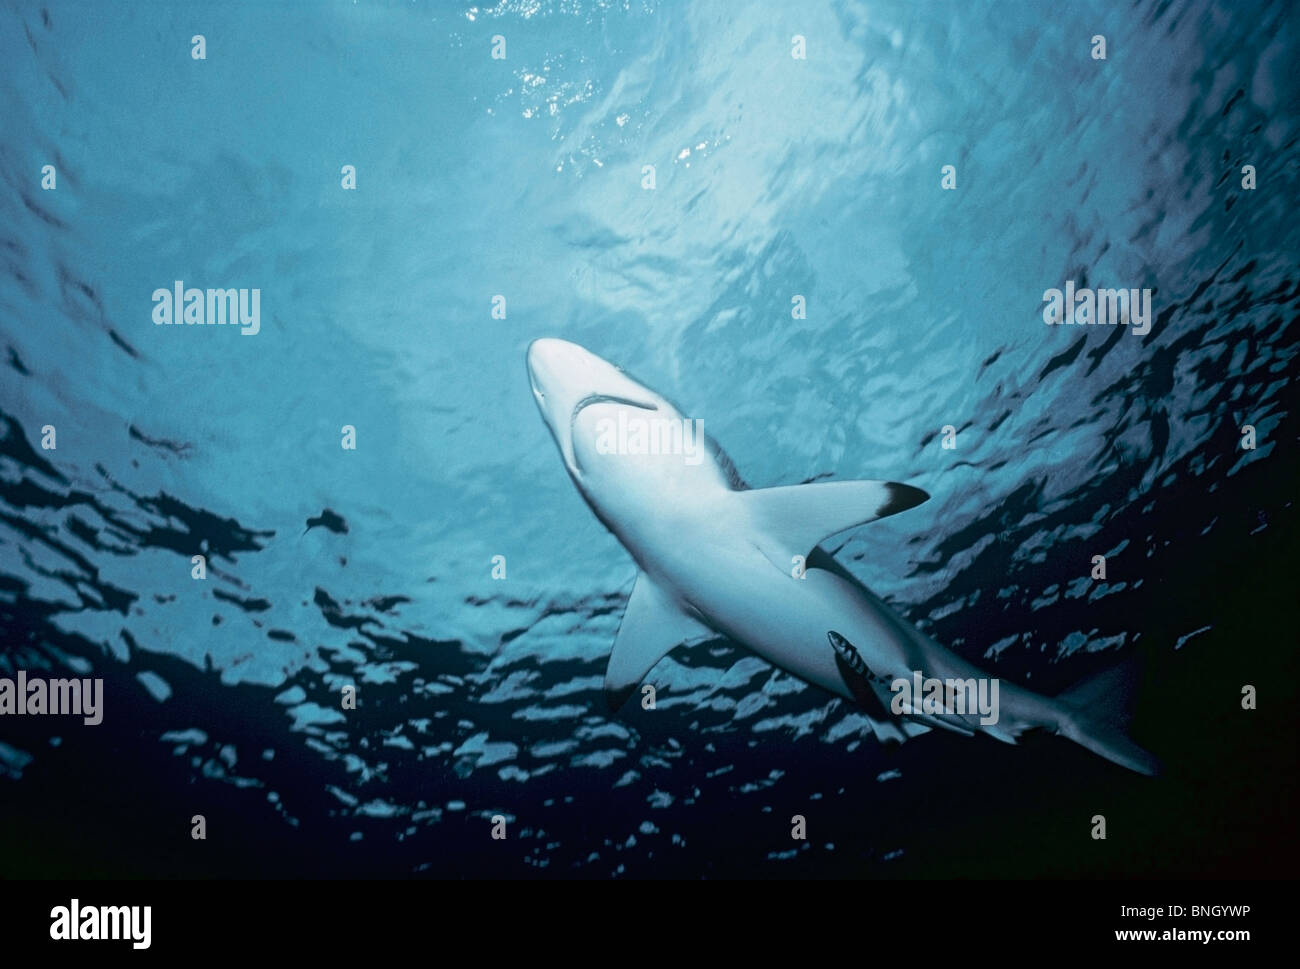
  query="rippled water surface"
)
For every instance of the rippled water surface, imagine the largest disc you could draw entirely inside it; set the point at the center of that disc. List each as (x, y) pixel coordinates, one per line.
(523, 177)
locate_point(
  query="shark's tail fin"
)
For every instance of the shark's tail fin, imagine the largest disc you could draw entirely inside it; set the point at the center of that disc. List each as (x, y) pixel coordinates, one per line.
(1096, 712)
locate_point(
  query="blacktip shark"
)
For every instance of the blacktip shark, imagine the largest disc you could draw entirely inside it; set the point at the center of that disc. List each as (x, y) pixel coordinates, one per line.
(717, 558)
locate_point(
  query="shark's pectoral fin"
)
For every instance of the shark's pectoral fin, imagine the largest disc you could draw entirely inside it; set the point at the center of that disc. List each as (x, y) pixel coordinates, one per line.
(652, 626)
(798, 517)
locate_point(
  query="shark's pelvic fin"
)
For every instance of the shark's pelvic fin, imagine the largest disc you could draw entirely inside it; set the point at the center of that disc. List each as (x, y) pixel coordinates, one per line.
(886, 727)
(858, 678)
(861, 680)
(798, 517)
(652, 626)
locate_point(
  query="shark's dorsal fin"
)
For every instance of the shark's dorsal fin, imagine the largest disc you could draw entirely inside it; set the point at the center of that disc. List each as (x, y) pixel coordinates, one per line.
(798, 517)
(652, 625)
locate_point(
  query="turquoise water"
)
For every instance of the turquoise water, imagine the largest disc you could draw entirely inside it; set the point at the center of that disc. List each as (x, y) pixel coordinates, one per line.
(523, 177)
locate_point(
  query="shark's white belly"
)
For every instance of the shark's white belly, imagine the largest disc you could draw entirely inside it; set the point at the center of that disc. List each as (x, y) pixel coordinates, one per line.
(783, 619)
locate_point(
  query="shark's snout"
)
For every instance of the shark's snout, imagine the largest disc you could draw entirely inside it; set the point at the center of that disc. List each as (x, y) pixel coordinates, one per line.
(558, 375)
(548, 360)
(565, 378)
(551, 354)
(530, 360)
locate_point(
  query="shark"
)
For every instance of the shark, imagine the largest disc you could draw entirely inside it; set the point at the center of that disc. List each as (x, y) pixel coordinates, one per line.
(717, 558)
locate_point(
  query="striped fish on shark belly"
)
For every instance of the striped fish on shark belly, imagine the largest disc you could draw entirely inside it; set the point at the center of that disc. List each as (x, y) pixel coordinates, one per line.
(715, 558)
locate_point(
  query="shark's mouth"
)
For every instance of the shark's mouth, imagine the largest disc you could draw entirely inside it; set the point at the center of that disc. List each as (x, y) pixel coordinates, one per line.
(600, 399)
(607, 399)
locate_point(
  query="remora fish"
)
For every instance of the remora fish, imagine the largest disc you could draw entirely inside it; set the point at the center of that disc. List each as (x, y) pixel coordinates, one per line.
(718, 558)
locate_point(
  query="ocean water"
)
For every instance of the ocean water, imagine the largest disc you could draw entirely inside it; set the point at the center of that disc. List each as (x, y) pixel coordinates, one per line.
(523, 177)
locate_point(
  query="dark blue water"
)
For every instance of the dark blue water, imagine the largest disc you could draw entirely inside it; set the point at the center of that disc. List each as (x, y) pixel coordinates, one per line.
(523, 177)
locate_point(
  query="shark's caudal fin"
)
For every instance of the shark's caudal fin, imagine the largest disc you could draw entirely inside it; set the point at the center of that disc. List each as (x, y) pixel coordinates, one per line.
(652, 626)
(1097, 710)
(797, 517)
